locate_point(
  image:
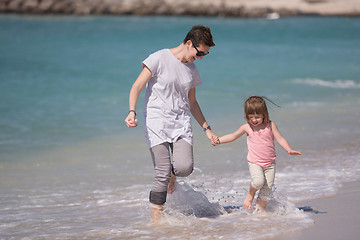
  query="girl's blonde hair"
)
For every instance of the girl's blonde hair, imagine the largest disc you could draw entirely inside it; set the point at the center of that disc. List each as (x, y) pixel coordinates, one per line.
(257, 105)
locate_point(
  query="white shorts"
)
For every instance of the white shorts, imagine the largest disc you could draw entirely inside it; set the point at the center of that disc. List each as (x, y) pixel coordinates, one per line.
(262, 178)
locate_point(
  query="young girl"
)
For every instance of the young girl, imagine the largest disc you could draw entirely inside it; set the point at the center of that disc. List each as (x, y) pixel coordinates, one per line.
(261, 156)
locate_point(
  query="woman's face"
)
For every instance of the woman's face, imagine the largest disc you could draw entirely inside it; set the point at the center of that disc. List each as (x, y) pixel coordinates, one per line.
(195, 51)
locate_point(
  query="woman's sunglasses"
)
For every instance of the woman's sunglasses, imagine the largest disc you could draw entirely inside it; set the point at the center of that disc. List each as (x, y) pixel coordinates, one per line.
(199, 53)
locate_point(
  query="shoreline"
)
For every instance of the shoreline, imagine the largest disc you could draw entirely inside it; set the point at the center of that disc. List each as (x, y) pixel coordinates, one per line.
(335, 217)
(271, 9)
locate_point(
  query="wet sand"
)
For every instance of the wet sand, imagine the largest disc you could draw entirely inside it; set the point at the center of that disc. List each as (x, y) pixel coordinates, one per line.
(335, 217)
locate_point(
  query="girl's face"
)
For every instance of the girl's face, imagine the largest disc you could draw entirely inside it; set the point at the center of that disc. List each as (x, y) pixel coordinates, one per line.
(256, 119)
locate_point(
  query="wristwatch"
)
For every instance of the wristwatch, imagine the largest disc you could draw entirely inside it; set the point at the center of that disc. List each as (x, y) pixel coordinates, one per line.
(208, 127)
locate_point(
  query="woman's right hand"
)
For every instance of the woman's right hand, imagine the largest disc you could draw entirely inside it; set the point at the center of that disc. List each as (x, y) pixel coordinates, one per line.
(131, 121)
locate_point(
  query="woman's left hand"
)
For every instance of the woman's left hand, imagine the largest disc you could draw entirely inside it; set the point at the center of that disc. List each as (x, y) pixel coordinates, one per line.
(212, 137)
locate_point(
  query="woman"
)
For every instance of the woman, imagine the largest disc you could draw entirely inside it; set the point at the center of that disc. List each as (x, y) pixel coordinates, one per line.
(171, 77)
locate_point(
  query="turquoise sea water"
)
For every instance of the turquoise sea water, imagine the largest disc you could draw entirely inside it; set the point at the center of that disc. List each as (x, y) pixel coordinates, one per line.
(66, 153)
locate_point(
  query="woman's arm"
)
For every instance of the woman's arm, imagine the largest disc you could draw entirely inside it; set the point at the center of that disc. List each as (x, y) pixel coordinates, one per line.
(199, 116)
(136, 88)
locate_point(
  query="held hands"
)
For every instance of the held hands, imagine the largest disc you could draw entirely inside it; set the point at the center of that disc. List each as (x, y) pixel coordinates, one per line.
(212, 137)
(215, 141)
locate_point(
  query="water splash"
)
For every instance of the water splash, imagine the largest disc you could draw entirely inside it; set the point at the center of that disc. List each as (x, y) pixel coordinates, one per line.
(190, 202)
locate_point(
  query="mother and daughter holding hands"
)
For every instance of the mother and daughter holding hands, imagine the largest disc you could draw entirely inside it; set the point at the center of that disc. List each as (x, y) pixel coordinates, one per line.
(171, 77)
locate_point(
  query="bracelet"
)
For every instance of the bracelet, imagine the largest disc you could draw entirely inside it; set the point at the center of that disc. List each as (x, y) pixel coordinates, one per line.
(132, 111)
(208, 127)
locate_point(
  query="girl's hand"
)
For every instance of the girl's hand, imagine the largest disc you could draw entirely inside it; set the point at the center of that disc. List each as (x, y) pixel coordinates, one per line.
(131, 121)
(292, 152)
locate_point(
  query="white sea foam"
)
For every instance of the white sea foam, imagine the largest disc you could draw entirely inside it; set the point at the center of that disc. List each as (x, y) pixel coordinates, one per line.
(339, 84)
(305, 104)
(273, 16)
(237, 222)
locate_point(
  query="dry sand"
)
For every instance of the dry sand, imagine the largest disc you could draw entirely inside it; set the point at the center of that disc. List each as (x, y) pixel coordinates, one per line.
(338, 216)
(231, 8)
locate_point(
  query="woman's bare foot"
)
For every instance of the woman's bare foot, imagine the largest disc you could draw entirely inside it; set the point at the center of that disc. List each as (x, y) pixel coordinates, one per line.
(171, 186)
(156, 213)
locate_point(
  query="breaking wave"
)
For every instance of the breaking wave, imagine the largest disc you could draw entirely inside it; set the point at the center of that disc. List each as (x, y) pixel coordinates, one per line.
(339, 84)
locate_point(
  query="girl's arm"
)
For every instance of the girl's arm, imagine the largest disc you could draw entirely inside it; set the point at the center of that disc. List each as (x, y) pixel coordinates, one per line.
(282, 141)
(232, 136)
(136, 88)
(199, 116)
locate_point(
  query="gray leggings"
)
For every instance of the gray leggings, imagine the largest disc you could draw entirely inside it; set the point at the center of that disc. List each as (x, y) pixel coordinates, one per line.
(182, 165)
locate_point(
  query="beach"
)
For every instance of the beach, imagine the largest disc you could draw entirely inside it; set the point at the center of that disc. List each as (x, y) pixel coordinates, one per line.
(335, 217)
(71, 169)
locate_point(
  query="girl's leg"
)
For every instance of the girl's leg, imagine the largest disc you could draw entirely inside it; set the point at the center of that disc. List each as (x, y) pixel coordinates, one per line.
(162, 164)
(265, 191)
(249, 197)
(258, 178)
(261, 204)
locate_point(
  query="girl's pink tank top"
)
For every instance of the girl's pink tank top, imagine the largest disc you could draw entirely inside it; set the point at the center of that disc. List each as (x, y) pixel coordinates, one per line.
(261, 146)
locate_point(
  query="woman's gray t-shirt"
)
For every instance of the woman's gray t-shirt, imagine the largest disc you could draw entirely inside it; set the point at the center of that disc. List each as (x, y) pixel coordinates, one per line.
(167, 109)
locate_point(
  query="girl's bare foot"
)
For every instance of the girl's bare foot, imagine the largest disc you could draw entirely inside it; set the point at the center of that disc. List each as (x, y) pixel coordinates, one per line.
(261, 204)
(249, 197)
(248, 200)
(171, 186)
(156, 213)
